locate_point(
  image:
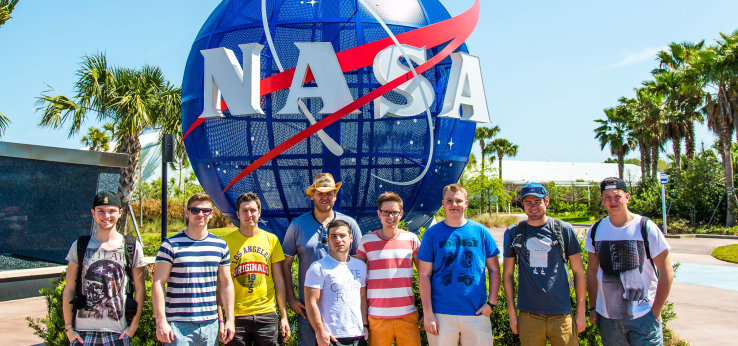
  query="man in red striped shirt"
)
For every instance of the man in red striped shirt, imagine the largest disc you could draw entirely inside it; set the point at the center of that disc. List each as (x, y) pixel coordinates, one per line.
(390, 254)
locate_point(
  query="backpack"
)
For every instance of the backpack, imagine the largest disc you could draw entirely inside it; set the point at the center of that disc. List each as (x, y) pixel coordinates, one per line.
(644, 235)
(80, 301)
(519, 238)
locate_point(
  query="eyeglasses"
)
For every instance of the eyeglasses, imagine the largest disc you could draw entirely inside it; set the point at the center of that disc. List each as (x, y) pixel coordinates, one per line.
(534, 189)
(205, 211)
(386, 213)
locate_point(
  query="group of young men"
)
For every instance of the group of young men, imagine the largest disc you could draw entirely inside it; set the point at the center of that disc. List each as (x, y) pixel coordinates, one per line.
(353, 288)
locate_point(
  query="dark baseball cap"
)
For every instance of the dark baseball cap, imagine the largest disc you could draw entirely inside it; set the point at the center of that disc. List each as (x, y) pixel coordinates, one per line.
(613, 183)
(106, 198)
(533, 189)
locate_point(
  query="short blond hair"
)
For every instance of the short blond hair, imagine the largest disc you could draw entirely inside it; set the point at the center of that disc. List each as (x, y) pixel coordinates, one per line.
(389, 196)
(455, 188)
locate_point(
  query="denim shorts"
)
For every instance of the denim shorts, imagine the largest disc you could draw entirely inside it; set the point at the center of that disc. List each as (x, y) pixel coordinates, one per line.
(194, 333)
(644, 330)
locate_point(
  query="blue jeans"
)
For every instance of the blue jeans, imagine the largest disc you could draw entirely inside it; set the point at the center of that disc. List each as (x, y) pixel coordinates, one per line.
(305, 332)
(644, 330)
(194, 333)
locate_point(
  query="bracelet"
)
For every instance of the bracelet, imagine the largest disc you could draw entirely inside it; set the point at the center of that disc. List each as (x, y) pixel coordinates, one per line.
(366, 325)
(68, 329)
(68, 324)
(220, 321)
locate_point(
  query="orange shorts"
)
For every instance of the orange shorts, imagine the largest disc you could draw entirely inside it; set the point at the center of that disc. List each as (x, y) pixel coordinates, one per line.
(403, 331)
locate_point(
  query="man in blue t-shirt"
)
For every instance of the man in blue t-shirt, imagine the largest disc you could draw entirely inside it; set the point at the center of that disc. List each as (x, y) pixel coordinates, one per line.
(538, 247)
(453, 256)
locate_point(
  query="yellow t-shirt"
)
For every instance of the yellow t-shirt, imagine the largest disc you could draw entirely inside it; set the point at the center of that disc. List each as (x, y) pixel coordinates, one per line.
(251, 261)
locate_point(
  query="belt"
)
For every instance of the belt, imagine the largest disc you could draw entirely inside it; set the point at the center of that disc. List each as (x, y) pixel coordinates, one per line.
(544, 315)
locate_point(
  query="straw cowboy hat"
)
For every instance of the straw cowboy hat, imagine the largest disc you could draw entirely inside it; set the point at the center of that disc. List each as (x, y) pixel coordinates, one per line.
(323, 182)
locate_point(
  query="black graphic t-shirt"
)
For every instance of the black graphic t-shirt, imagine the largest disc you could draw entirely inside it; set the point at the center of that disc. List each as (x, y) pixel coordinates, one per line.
(104, 283)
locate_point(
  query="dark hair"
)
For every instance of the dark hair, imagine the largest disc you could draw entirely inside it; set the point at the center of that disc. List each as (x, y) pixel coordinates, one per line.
(198, 197)
(338, 223)
(389, 196)
(248, 197)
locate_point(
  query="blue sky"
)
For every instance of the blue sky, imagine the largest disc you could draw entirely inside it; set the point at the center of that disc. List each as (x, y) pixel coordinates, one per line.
(549, 67)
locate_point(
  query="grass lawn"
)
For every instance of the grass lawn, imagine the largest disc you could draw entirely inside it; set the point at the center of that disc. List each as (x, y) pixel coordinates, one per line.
(728, 253)
(575, 218)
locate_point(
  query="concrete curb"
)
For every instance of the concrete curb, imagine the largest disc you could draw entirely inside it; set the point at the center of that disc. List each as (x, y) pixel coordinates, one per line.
(712, 236)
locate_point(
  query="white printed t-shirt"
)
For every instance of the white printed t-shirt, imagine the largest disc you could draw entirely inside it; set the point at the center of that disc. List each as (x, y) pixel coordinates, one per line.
(624, 268)
(340, 286)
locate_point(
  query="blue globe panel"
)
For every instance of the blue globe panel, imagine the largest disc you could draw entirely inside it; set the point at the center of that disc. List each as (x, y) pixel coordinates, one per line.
(390, 148)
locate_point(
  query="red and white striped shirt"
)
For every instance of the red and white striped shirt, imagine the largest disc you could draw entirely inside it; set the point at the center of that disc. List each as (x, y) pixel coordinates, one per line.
(390, 273)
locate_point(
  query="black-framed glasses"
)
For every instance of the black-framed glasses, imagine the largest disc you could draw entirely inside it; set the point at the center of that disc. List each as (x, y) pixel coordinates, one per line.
(392, 213)
(532, 189)
(195, 210)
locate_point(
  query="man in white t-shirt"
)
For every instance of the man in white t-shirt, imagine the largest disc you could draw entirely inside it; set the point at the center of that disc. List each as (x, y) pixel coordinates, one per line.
(335, 292)
(629, 273)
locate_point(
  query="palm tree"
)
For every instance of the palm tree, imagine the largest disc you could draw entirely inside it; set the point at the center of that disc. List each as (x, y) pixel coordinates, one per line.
(4, 122)
(615, 131)
(132, 100)
(6, 8)
(502, 147)
(651, 108)
(483, 135)
(639, 131)
(97, 139)
(719, 67)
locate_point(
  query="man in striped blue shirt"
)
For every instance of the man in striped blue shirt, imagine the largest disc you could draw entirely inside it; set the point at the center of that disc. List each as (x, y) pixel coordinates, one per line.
(195, 265)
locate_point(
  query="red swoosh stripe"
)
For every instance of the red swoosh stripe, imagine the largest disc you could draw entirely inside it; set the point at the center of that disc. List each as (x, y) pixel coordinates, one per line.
(463, 25)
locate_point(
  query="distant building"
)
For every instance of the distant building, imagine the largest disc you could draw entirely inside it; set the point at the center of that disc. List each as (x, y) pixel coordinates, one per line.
(561, 173)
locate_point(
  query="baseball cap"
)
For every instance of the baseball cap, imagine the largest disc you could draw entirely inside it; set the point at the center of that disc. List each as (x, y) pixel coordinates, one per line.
(106, 198)
(533, 189)
(613, 183)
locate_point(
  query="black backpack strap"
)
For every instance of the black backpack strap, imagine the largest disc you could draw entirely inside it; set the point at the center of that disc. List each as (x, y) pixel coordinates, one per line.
(558, 233)
(593, 230)
(130, 250)
(644, 235)
(518, 239)
(82, 242)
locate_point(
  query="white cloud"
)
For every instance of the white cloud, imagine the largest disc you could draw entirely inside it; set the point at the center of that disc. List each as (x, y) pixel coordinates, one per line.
(646, 54)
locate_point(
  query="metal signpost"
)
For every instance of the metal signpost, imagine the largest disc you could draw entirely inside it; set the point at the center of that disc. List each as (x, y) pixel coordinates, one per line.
(663, 178)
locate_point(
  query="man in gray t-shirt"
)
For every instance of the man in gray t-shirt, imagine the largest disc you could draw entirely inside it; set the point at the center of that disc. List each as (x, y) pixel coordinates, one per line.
(307, 238)
(536, 246)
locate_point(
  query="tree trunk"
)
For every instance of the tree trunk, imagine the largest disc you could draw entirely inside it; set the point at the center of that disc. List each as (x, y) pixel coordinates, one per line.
(725, 138)
(645, 158)
(689, 141)
(654, 160)
(499, 162)
(676, 145)
(132, 146)
(620, 164)
(483, 199)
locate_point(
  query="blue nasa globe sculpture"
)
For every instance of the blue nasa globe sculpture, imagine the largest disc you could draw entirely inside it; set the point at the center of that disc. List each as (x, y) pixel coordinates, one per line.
(374, 152)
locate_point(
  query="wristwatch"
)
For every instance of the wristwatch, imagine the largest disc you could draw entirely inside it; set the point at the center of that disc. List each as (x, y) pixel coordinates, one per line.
(491, 305)
(366, 325)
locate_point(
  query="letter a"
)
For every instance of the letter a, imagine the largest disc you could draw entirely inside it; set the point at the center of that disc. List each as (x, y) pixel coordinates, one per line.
(465, 91)
(240, 87)
(321, 59)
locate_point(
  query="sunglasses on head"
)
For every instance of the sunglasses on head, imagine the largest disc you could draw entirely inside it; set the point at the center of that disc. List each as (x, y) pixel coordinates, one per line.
(534, 189)
(323, 235)
(205, 211)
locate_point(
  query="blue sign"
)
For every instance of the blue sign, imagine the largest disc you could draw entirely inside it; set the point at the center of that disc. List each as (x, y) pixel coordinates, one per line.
(257, 117)
(663, 178)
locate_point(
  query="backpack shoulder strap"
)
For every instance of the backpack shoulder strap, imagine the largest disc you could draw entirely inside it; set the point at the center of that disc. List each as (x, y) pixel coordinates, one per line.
(130, 250)
(558, 233)
(593, 230)
(644, 235)
(517, 239)
(82, 243)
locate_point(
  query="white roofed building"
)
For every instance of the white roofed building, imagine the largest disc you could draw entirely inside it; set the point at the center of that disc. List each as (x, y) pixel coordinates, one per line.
(561, 173)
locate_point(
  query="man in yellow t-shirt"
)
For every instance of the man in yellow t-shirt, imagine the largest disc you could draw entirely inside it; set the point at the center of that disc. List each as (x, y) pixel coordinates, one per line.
(257, 278)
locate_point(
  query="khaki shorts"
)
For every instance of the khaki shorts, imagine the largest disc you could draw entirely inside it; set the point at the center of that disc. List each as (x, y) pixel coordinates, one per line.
(403, 331)
(534, 329)
(472, 330)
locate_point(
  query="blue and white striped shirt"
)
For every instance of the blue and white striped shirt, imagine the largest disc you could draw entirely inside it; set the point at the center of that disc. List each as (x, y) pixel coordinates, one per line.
(194, 276)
